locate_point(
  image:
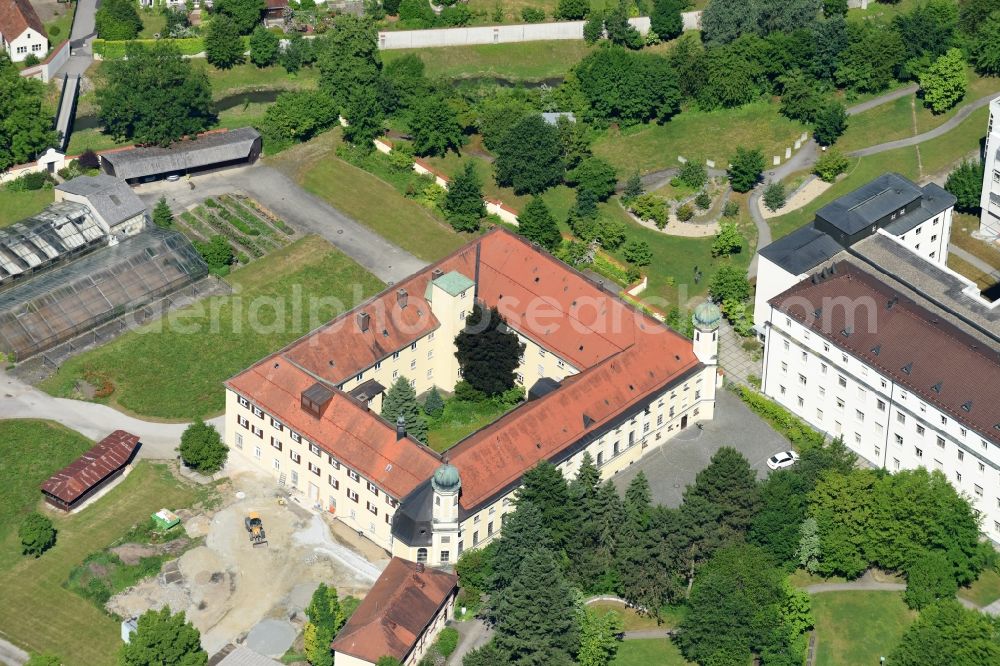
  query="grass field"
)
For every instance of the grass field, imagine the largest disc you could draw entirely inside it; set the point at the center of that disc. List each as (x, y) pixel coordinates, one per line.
(855, 628)
(38, 614)
(31, 451)
(176, 371)
(369, 200)
(688, 134)
(985, 590)
(16, 206)
(649, 651)
(153, 22)
(522, 61)
(940, 154)
(250, 77)
(459, 420)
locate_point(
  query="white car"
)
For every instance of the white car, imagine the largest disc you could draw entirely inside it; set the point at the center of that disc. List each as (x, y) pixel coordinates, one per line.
(782, 460)
(174, 177)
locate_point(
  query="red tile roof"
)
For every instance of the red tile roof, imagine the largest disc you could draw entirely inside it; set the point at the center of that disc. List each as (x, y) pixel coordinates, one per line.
(105, 458)
(16, 16)
(623, 356)
(347, 430)
(395, 612)
(915, 348)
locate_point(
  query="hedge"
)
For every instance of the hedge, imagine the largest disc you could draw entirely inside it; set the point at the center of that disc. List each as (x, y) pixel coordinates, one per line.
(188, 46)
(797, 431)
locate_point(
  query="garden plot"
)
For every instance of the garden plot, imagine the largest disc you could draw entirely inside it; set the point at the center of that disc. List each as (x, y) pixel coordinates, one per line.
(251, 230)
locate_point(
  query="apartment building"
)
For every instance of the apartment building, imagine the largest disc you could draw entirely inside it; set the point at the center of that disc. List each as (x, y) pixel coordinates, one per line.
(990, 201)
(892, 351)
(603, 377)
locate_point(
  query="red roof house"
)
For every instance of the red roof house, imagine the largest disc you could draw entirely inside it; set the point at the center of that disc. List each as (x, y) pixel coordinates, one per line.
(21, 31)
(69, 487)
(405, 609)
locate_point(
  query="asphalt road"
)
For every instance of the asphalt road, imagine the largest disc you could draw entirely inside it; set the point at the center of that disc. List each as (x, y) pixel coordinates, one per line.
(302, 210)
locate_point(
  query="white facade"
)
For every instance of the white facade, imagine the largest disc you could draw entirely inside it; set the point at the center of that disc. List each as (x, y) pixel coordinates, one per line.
(841, 395)
(990, 199)
(772, 279)
(928, 240)
(18, 47)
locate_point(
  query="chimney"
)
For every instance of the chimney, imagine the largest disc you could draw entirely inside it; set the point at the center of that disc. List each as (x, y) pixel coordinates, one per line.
(436, 273)
(363, 321)
(420, 567)
(401, 297)
(400, 427)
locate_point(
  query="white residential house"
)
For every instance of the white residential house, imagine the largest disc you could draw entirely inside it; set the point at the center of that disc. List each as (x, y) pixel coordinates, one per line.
(990, 201)
(21, 31)
(874, 340)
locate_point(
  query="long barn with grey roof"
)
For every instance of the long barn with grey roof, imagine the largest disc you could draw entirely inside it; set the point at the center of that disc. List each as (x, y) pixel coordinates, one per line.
(208, 151)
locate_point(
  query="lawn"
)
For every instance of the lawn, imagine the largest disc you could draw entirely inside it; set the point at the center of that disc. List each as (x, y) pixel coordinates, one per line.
(856, 627)
(174, 368)
(250, 77)
(648, 651)
(940, 155)
(39, 614)
(985, 590)
(962, 226)
(459, 420)
(15, 206)
(153, 23)
(530, 61)
(693, 134)
(370, 200)
(983, 280)
(63, 24)
(31, 451)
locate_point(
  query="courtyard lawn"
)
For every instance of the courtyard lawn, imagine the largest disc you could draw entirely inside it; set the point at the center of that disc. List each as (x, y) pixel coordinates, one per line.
(694, 135)
(16, 206)
(370, 200)
(858, 627)
(962, 226)
(31, 450)
(985, 590)
(648, 651)
(38, 613)
(526, 61)
(459, 420)
(174, 369)
(983, 280)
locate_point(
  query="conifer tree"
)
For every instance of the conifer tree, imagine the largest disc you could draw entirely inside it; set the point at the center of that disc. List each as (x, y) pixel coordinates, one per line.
(537, 224)
(731, 484)
(522, 532)
(162, 216)
(433, 404)
(401, 400)
(544, 487)
(463, 206)
(488, 352)
(537, 620)
(633, 188)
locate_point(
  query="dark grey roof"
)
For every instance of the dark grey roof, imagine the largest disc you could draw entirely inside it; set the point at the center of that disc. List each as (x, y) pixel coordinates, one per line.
(367, 390)
(412, 521)
(318, 393)
(109, 197)
(802, 250)
(933, 200)
(869, 203)
(542, 387)
(183, 155)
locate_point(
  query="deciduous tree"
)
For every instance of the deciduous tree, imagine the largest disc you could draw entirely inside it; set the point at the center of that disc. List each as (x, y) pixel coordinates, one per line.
(946, 633)
(529, 158)
(117, 20)
(966, 182)
(246, 14)
(729, 282)
(637, 252)
(831, 164)
(488, 352)
(434, 126)
(163, 638)
(264, 47)
(202, 448)
(945, 82)
(596, 175)
(728, 241)
(666, 20)
(37, 534)
(299, 115)
(598, 636)
(349, 60)
(154, 96)
(537, 225)
(746, 168)
(871, 59)
(627, 86)
(774, 196)
(401, 400)
(363, 112)
(463, 205)
(26, 129)
(929, 578)
(985, 46)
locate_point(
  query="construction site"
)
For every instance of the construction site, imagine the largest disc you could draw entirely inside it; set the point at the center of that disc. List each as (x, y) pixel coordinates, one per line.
(261, 556)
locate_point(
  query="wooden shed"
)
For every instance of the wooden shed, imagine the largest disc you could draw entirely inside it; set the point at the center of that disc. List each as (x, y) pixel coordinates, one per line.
(72, 485)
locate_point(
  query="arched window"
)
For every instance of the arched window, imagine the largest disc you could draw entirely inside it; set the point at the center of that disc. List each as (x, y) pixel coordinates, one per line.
(421, 554)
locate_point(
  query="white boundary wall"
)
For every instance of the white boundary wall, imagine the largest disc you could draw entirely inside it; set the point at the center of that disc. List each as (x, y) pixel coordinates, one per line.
(504, 34)
(44, 70)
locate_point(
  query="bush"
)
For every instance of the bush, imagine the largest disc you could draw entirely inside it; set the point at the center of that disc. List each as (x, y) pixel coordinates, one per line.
(685, 212)
(693, 174)
(532, 15)
(447, 641)
(37, 534)
(650, 207)
(637, 252)
(34, 180)
(465, 392)
(89, 160)
(797, 431)
(731, 209)
(703, 200)
(774, 196)
(831, 164)
(53, 31)
(202, 449)
(746, 168)
(31, 60)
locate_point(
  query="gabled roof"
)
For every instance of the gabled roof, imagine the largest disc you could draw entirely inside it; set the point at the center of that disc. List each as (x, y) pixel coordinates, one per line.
(920, 350)
(207, 149)
(346, 430)
(395, 612)
(106, 457)
(16, 16)
(802, 250)
(110, 197)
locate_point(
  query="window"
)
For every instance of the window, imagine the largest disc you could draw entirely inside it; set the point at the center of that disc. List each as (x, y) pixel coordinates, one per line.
(239, 440)
(982, 467)
(378, 364)
(659, 420)
(413, 364)
(784, 367)
(781, 389)
(940, 442)
(333, 461)
(353, 475)
(475, 538)
(258, 412)
(372, 487)
(395, 355)
(430, 373)
(351, 495)
(314, 468)
(901, 417)
(296, 458)
(445, 556)
(616, 448)
(257, 431)
(786, 345)
(295, 437)
(920, 429)
(918, 452)
(895, 464)
(275, 443)
(861, 393)
(859, 415)
(899, 439)
(878, 452)
(802, 380)
(371, 508)
(842, 380)
(840, 403)
(958, 476)
(315, 450)
(944, 420)
(360, 375)
(421, 554)
(276, 464)
(822, 392)
(857, 438)
(826, 346)
(22, 49)
(819, 414)
(243, 401)
(243, 421)
(961, 455)
(881, 405)
(332, 481)
(805, 356)
(801, 401)
(822, 368)
(978, 490)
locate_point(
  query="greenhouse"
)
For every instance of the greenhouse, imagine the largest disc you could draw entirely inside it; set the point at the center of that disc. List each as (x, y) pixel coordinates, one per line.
(68, 300)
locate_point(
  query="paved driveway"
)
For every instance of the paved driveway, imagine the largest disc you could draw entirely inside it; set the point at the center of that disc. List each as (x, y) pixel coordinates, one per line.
(674, 465)
(302, 210)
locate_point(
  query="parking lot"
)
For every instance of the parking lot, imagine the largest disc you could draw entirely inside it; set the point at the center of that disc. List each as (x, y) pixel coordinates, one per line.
(674, 465)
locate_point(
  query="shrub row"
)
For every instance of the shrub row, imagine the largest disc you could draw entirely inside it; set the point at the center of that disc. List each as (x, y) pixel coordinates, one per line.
(113, 50)
(249, 218)
(798, 432)
(231, 234)
(287, 230)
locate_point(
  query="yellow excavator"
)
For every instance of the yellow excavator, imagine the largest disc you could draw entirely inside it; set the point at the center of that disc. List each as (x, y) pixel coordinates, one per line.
(256, 530)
